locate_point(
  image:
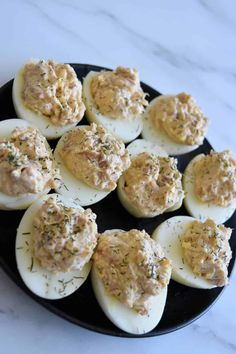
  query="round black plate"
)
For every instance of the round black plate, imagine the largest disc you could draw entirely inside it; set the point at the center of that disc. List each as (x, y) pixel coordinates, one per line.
(183, 305)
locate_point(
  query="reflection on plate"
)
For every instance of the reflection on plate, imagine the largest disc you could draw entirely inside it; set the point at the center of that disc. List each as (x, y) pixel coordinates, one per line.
(183, 305)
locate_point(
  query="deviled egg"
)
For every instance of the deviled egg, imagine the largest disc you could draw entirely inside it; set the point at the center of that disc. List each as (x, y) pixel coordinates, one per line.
(55, 241)
(210, 186)
(176, 123)
(152, 184)
(130, 276)
(91, 161)
(27, 169)
(199, 251)
(49, 95)
(116, 100)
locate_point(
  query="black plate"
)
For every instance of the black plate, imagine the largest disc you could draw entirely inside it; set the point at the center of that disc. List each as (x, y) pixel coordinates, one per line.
(183, 305)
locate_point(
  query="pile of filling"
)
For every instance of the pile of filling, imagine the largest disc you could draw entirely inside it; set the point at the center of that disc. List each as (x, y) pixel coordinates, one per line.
(26, 164)
(54, 91)
(180, 118)
(132, 267)
(153, 183)
(63, 238)
(207, 251)
(215, 178)
(95, 156)
(118, 93)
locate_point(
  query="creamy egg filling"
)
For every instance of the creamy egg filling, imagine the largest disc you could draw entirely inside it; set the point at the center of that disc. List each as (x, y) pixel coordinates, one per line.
(63, 237)
(153, 183)
(132, 267)
(180, 118)
(95, 156)
(54, 91)
(207, 251)
(26, 164)
(118, 93)
(215, 178)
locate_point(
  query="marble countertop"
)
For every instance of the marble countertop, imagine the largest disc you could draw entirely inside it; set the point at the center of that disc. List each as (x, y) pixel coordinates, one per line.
(182, 45)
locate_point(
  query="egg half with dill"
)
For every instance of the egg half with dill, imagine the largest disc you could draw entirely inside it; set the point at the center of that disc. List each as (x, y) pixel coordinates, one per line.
(174, 122)
(152, 184)
(18, 201)
(115, 100)
(38, 272)
(209, 182)
(129, 319)
(199, 251)
(90, 161)
(48, 95)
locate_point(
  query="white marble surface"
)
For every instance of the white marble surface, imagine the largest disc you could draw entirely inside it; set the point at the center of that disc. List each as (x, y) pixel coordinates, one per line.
(176, 45)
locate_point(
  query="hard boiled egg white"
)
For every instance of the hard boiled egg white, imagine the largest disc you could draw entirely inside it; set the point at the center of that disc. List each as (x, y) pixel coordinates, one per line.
(8, 202)
(40, 281)
(43, 123)
(137, 147)
(123, 317)
(150, 132)
(124, 129)
(142, 145)
(169, 234)
(72, 187)
(195, 206)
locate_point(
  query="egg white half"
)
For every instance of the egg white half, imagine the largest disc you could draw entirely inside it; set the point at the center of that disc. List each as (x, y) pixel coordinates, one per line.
(123, 317)
(150, 132)
(142, 145)
(136, 147)
(72, 187)
(8, 202)
(43, 123)
(41, 282)
(123, 129)
(195, 206)
(169, 234)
